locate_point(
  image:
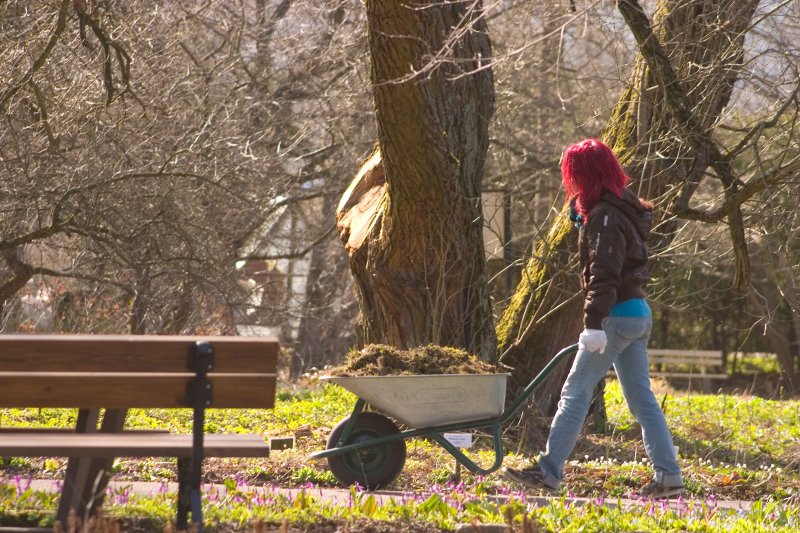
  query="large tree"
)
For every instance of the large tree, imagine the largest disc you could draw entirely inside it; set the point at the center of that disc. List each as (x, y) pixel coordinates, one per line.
(411, 219)
(689, 59)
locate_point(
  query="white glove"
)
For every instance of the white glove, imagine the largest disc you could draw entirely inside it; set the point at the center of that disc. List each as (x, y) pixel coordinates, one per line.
(593, 340)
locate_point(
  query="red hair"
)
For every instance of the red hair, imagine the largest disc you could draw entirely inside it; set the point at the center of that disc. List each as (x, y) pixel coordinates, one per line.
(587, 169)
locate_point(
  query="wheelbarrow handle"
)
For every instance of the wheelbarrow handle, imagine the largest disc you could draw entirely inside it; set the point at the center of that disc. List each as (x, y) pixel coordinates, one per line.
(537, 381)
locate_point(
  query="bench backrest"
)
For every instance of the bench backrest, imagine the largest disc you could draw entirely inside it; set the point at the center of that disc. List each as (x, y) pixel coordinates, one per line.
(685, 357)
(125, 371)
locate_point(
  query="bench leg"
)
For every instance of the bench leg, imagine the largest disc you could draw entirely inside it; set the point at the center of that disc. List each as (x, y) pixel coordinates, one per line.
(76, 477)
(706, 381)
(113, 422)
(184, 493)
(87, 477)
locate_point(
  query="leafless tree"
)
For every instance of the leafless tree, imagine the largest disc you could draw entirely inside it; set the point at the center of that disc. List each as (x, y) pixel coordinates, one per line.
(690, 59)
(145, 147)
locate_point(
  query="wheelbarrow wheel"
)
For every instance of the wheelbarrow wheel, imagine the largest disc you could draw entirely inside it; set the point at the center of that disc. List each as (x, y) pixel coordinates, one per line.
(372, 467)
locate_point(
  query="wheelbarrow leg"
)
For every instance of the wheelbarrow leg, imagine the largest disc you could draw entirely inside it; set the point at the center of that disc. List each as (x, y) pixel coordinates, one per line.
(348, 427)
(466, 461)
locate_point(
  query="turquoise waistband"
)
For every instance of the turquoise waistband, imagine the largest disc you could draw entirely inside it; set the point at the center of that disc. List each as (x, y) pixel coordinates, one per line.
(635, 307)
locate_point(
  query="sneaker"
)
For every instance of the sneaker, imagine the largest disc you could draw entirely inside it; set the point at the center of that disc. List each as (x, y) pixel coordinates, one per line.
(656, 490)
(530, 477)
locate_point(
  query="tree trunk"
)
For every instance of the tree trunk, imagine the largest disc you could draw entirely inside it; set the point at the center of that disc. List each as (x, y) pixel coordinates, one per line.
(703, 41)
(15, 275)
(544, 315)
(319, 337)
(411, 220)
(775, 299)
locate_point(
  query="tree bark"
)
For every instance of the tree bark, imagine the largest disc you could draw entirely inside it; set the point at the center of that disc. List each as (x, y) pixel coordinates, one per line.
(702, 41)
(775, 298)
(411, 220)
(17, 274)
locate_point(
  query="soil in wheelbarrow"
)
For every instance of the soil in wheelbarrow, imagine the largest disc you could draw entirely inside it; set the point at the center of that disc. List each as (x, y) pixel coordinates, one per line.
(384, 360)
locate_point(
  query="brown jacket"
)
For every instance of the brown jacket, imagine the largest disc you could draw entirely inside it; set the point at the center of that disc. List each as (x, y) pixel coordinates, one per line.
(613, 254)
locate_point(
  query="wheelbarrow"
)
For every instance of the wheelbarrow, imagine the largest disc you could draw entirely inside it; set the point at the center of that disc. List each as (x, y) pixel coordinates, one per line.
(368, 448)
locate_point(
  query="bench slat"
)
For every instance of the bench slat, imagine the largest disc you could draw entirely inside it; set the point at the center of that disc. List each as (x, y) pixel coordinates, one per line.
(109, 445)
(687, 353)
(132, 353)
(119, 391)
(66, 430)
(685, 361)
(702, 360)
(697, 375)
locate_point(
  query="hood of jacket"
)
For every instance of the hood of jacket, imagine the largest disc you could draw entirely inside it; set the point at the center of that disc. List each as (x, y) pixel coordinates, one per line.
(635, 209)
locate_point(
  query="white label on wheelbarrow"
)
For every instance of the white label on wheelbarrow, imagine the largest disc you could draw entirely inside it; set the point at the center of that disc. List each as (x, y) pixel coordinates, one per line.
(459, 440)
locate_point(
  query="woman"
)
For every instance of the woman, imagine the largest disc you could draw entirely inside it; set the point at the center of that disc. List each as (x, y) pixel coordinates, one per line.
(614, 225)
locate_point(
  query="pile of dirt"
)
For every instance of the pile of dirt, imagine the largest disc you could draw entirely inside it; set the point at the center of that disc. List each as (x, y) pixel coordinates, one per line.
(384, 360)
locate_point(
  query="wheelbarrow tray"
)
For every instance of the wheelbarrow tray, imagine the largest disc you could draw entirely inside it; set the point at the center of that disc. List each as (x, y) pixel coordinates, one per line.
(430, 399)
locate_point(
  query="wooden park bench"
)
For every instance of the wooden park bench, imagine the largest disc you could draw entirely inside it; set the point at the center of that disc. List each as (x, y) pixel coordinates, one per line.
(104, 376)
(705, 365)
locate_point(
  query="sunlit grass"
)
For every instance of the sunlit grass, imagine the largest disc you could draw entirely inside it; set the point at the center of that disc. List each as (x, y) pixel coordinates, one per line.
(751, 428)
(755, 363)
(730, 447)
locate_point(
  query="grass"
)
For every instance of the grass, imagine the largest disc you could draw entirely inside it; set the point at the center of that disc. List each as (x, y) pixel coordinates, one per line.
(731, 447)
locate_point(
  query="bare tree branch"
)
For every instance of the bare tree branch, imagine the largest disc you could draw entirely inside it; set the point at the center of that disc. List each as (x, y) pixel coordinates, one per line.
(667, 79)
(292, 254)
(42, 59)
(758, 130)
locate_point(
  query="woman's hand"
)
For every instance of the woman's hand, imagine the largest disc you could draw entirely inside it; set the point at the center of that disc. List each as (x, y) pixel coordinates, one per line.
(592, 340)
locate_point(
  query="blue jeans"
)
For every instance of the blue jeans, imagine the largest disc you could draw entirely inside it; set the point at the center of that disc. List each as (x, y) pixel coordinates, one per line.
(627, 351)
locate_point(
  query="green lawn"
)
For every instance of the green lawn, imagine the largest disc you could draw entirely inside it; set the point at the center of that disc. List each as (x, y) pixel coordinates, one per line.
(731, 447)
